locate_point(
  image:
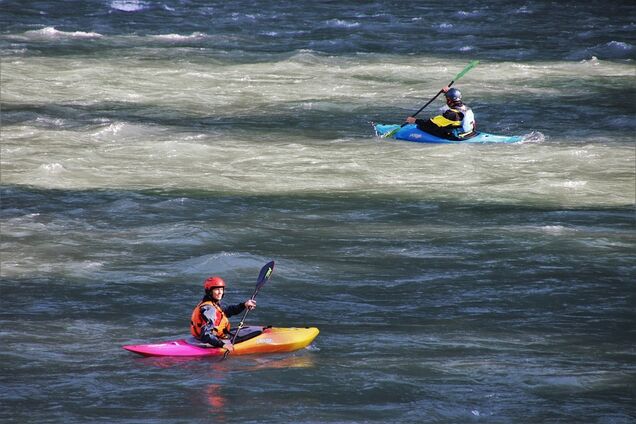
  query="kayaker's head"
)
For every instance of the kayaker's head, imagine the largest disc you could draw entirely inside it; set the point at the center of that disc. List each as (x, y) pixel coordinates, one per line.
(214, 288)
(453, 97)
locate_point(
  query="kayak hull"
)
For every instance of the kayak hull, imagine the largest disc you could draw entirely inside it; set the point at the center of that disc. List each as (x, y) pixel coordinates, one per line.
(410, 132)
(270, 340)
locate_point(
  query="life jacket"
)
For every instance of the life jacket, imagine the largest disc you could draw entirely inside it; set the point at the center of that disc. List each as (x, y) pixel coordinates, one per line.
(454, 121)
(197, 322)
(446, 121)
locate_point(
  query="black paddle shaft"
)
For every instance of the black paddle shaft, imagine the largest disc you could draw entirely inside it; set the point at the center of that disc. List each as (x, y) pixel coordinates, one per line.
(470, 66)
(263, 277)
(431, 101)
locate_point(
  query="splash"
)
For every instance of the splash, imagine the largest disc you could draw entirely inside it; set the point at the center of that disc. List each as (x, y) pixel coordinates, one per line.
(533, 137)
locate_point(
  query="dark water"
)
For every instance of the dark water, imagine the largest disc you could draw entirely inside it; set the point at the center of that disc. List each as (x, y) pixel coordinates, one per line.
(497, 30)
(149, 145)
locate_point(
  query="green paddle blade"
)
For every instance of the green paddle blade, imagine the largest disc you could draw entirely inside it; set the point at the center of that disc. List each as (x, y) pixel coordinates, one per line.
(391, 133)
(470, 66)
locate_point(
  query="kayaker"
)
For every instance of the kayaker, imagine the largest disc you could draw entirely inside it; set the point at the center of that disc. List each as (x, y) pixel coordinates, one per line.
(210, 319)
(456, 121)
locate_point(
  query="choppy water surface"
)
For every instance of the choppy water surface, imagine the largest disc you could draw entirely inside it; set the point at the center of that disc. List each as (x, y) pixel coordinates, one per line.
(148, 145)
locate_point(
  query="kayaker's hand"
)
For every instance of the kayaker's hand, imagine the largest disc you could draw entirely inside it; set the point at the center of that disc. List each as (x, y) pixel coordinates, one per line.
(250, 304)
(445, 89)
(410, 120)
(228, 345)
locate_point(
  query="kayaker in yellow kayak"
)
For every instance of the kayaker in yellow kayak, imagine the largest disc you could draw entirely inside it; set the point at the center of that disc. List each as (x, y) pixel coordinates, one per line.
(210, 319)
(456, 121)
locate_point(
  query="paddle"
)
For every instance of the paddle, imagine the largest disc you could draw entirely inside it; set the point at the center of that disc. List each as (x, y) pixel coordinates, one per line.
(470, 66)
(263, 277)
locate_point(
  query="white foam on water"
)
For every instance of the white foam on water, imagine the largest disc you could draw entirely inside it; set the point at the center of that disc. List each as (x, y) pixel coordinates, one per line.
(340, 23)
(52, 33)
(128, 5)
(130, 123)
(52, 168)
(179, 37)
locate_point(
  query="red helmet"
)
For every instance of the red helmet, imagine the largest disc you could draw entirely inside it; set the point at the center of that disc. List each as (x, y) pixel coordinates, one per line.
(213, 282)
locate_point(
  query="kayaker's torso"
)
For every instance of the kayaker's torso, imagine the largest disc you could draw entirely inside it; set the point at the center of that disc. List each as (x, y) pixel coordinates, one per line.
(209, 321)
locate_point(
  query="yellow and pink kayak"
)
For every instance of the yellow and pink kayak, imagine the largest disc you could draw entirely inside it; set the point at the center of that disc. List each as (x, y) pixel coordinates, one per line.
(256, 340)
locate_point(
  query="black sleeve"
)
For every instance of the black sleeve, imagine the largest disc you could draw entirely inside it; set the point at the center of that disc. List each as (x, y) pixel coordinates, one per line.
(207, 336)
(233, 309)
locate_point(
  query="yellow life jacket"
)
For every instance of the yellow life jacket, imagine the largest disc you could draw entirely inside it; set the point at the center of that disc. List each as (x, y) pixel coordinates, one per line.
(443, 122)
(197, 322)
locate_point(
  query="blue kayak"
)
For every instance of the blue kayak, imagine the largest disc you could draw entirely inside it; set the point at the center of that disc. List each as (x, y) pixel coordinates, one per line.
(410, 132)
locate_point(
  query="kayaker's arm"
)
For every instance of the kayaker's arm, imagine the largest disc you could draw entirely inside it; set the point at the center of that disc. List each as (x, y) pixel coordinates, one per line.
(413, 120)
(207, 336)
(239, 307)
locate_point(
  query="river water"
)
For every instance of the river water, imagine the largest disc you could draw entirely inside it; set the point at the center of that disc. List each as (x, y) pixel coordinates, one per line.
(147, 145)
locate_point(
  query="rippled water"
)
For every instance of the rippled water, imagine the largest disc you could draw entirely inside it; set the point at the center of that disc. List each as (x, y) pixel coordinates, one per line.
(148, 145)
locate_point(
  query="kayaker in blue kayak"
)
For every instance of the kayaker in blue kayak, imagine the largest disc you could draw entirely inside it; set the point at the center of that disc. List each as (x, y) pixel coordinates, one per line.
(456, 121)
(210, 319)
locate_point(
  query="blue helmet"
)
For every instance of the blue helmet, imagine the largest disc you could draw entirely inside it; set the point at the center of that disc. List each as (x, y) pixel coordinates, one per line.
(454, 95)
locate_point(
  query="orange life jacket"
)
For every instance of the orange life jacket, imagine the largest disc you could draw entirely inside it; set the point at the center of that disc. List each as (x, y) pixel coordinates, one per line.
(198, 321)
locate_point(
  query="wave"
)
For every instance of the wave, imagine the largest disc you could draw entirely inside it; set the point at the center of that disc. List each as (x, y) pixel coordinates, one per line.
(52, 33)
(179, 37)
(128, 5)
(339, 23)
(610, 50)
(471, 14)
